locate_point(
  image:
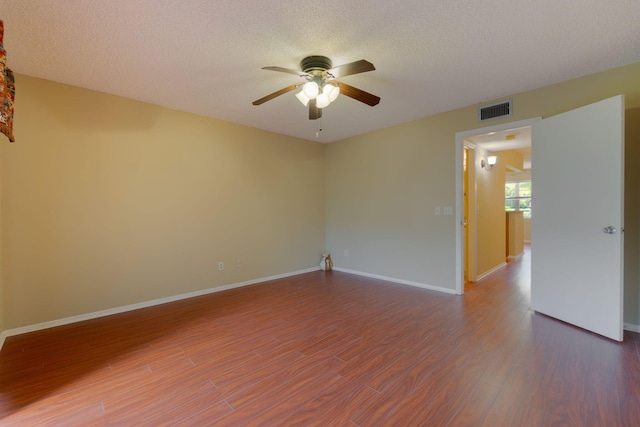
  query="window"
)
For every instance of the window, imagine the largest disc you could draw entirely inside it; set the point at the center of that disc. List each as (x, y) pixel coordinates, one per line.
(518, 197)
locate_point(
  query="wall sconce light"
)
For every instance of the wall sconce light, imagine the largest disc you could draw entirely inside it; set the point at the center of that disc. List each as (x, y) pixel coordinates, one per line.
(488, 165)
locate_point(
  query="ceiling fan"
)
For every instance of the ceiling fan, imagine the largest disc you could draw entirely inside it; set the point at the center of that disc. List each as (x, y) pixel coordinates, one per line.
(320, 87)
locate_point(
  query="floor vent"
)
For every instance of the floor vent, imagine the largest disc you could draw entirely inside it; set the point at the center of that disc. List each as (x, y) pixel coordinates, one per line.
(495, 111)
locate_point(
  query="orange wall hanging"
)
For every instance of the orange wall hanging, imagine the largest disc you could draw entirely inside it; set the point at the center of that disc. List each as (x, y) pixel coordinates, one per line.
(7, 91)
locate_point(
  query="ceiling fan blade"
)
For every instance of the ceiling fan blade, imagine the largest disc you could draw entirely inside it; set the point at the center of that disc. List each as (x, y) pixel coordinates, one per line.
(314, 112)
(358, 94)
(287, 70)
(356, 67)
(275, 94)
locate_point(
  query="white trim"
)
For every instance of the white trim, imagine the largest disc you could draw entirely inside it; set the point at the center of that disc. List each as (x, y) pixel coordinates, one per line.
(103, 313)
(460, 136)
(458, 278)
(493, 270)
(631, 327)
(472, 233)
(131, 307)
(394, 280)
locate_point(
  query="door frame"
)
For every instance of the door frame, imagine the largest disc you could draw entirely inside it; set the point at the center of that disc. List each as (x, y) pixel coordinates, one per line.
(459, 201)
(468, 206)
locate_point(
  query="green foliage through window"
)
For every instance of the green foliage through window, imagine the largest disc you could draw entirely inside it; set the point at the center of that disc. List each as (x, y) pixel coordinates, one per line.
(518, 197)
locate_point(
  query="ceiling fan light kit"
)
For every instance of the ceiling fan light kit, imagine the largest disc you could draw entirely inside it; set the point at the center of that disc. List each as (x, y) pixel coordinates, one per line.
(310, 89)
(320, 88)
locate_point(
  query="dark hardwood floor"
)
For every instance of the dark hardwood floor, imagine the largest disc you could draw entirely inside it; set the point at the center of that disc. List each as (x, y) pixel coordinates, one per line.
(326, 349)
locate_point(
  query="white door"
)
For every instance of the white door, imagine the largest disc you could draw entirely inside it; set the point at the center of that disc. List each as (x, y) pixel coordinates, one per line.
(576, 230)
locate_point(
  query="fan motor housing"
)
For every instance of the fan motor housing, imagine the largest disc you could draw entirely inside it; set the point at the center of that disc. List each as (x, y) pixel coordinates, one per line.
(315, 63)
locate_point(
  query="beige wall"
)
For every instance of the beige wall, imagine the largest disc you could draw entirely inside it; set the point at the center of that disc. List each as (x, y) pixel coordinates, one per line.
(382, 187)
(382, 190)
(490, 215)
(527, 229)
(108, 202)
(632, 218)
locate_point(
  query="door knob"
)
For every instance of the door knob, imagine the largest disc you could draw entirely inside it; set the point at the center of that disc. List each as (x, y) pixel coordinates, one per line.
(609, 230)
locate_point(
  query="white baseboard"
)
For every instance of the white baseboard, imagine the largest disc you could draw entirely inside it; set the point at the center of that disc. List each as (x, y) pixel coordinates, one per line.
(631, 327)
(74, 319)
(131, 307)
(486, 273)
(400, 281)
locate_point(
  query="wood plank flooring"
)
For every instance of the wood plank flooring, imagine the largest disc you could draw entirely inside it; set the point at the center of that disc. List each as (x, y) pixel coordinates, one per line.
(326, 349)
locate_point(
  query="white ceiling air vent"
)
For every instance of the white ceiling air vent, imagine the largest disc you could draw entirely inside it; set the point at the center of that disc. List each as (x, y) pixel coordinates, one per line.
(495, 111)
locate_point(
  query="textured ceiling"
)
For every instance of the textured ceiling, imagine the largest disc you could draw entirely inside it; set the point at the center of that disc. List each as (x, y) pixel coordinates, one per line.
(504, 140)
(513, 139)
(205, 56)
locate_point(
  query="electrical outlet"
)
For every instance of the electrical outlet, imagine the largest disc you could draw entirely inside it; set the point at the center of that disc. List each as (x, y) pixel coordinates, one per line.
(438, 210)
(346, 252)
(221, 265)
(448, 210)
(238, 263)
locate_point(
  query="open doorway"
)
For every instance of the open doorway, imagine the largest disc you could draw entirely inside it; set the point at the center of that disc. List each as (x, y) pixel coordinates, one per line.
(577, 255)
(482, 243)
